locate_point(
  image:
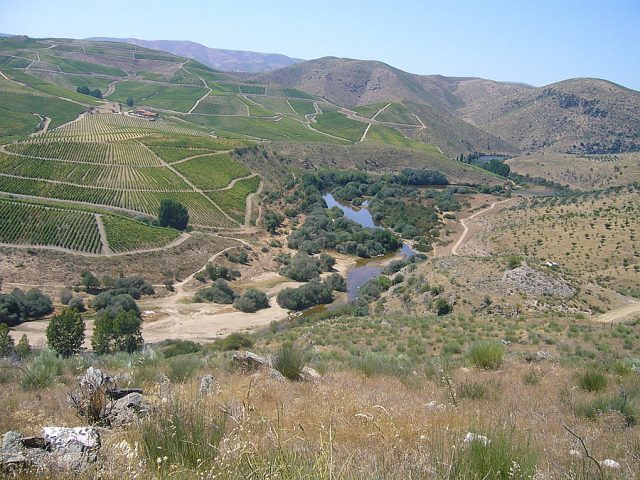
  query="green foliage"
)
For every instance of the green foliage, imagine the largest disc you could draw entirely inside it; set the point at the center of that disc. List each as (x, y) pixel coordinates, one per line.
(289, 361)
(411, 176)
(336, 282)
(182, 368)
(486, 355)
(251, 301)
(443, 307)
(173, 348)
(43, 371)
(130, 102)
(305, 296)
(6, 341)
(271, 221)
(234, 341)
(184, 432)
(225, 273)
(22, 349)
(623, 403)
(65, 333)
(504, 457)
(496, 166)
(513, 261)
(472, 390)
(301, 268)
(117, 332)
(84, 90)
(592, 380)
(124, 234)
(374, 364)
(173, 214)
(220, 292)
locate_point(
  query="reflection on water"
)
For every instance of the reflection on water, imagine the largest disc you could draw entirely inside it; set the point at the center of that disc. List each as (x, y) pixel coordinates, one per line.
(367, 268)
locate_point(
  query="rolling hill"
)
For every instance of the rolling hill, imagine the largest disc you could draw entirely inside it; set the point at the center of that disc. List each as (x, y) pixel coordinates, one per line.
(218, 58)
(573, 116)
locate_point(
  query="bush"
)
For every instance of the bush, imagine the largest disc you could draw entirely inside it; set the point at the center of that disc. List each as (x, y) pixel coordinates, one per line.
(183, 434)
(220, 292)
(182, 368)
(65, 333)
(301, 268)
(289, 361)
(77, 303)
(251, 301)
(513, 261)
(225, 273)
(472, 390)
(592, 380)
(486, 355)
(443, 307)
(378, 363)
(23, 349)
(336, 282)
(173, 348)
(305, 296)
(65, 297)
(6, 341)
(621, 403)
(11, 313)
(43, 371)
(234, 341)
(117, 333)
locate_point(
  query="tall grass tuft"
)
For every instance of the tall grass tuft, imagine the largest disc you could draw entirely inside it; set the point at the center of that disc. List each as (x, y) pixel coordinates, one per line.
(592, 380)
(504, 457)
(486, 355)
(622, 403)
(374, 364)
(43, 371)
(181, 436)
(289, 361)
(182, 368)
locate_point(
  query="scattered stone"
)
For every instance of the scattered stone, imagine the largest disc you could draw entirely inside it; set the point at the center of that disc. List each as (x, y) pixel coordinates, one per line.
(475, 437)
(96, 379)
(539, 356)
(533, 282)
(575, 453)
(609, 463)
(72, 440)
(249, 360)
(124, 410)
(208, 385)
(505, 342)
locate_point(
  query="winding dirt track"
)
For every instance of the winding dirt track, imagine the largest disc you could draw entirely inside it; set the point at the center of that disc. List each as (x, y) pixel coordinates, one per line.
(454, 249)
(621, 313)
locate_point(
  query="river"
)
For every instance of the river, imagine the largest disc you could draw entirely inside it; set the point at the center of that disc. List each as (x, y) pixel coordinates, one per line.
(365, 268)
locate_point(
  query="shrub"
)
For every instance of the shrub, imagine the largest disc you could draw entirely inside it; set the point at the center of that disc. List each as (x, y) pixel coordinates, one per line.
(181, 435)
(43, 371)
(117, 333)
(301, 268)
(336, 282)
(23, 349)
(11, 313)
(65, 333)
(251, 301)
(77, 303)
(443, 307)
(234, 341)
(621, 403)
(375, 363)
(220, 292)
(6, 341)
(173, 348)
(472, 391)
(592, 380)
(513, 261)
(65, 297)
(305, 296)
(289, 361)
(114, 303)
(486, 355)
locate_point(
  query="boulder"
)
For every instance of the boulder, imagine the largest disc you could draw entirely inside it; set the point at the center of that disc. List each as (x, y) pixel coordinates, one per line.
(124, 410)
(276, 375)
(609, 463)
(308, 374)
(249, 360)
(96, 379)
(208, 385)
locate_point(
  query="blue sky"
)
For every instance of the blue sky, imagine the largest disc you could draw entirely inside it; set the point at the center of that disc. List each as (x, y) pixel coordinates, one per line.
(536, 42)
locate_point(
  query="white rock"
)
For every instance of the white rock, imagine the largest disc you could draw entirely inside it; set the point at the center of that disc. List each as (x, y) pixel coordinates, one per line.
(575, 453)
(609, 463)
(75, 439)
(475, 437)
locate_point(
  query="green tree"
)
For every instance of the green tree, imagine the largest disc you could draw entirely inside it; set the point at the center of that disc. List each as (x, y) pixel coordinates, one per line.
(96, 93)
(23, 349)
(83, 90)
(90, 282)
(130, 102)
(6, 341)
(173, 214)
(119, 333)
(271, 221)
(251, 301)
(65, 332)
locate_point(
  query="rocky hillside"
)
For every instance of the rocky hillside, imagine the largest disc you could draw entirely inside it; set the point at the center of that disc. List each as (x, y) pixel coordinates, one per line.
(576, 116)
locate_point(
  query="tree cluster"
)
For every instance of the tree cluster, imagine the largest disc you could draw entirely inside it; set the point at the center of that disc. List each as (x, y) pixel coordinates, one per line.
(173, 214)
(19, 306)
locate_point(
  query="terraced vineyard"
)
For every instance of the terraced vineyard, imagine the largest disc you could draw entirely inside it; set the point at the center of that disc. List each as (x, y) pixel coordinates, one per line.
(233, 200)
(38, 225)
(124, 235)
(213, 171)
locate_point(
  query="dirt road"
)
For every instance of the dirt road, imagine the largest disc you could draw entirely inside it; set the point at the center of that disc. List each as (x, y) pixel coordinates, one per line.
(622, 313)
(454, 250)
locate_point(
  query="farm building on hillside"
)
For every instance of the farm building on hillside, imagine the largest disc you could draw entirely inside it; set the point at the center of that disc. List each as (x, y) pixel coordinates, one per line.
(146, 114)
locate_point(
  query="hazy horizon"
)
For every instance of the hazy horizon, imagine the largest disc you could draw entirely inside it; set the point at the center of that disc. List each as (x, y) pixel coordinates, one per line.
(536, 44)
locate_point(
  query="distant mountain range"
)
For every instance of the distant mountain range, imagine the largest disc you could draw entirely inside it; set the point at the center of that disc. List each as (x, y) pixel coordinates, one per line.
(220, 59)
